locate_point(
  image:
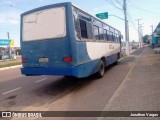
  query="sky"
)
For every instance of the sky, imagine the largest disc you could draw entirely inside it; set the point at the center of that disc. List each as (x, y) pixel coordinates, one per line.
(146, 10)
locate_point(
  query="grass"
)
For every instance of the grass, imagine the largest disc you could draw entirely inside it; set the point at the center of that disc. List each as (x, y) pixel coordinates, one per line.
(10, 64)
(123, 55)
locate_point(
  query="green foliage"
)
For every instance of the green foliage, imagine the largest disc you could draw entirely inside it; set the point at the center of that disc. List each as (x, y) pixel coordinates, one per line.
(1, 48)
(146, 39)
(10, 64)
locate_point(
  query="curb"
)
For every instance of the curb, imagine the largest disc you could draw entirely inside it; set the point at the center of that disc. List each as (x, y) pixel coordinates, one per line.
(5, 68)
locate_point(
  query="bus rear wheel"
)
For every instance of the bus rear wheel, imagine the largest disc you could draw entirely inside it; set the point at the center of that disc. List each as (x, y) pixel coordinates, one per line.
(101, 71)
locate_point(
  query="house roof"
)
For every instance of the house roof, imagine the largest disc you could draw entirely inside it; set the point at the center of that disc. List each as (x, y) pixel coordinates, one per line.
(158, 26)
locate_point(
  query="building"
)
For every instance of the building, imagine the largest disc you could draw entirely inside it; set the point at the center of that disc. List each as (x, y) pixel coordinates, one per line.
(7, 49)
(156, 37)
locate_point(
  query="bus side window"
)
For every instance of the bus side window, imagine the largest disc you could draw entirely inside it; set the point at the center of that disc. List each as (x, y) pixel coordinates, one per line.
(85, 26)
(86, 30)
(106, 35)
(111, 36)
(116, 37)
(83, 29)
(101, 34)
(96, 33)
(76, 23)
(89, 30)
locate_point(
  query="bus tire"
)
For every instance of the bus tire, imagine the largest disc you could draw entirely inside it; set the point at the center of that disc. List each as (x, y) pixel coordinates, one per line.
(70, 77)
(101, 70)
(28, 75)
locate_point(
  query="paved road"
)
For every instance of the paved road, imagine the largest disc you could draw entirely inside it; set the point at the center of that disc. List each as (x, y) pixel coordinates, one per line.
(139, 91)
(52, 93)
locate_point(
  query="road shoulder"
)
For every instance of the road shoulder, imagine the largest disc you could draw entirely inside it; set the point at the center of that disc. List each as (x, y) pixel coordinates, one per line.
(139, 90)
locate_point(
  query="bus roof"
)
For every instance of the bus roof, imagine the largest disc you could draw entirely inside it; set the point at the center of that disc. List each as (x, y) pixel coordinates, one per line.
(46, 7)
(60, 4)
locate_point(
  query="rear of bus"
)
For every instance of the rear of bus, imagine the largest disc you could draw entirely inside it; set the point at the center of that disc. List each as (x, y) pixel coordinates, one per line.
(47, 41)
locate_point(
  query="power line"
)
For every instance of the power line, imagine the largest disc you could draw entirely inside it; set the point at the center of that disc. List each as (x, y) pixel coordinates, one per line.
(119, 3)
(140, 8)
(124, 9)
(13, 6)
(132, 21)
(10, 5)
(113, 4)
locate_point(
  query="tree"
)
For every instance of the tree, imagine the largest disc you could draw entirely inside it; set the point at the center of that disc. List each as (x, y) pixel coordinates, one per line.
(145, 39)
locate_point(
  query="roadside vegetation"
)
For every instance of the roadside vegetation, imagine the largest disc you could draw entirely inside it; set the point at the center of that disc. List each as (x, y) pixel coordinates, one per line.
(9, 63)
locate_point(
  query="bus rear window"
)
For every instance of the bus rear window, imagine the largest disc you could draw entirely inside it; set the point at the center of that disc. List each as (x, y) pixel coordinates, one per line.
(45, 24)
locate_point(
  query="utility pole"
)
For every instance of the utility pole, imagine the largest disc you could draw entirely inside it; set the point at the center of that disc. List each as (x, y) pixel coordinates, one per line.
(8, 35)
(152, 44)
(139, 37)
(152, 28)
(9, 48)
(141, 33)
(126, 27)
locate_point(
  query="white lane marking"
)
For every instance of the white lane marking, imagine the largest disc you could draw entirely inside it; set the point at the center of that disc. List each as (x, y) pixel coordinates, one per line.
(40, 80)
(11, 90)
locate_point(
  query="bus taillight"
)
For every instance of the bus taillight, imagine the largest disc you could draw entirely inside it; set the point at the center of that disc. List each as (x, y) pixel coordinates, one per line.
(68, 59)
(24, 60)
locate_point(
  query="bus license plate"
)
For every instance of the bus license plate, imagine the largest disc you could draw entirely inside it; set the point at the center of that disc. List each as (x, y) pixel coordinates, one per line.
(43, 60)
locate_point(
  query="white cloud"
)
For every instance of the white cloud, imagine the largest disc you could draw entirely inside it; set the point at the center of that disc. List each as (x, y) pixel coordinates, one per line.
(2, 19)
(41, 0)
(10, 18)
(13, 21)
(100, 9)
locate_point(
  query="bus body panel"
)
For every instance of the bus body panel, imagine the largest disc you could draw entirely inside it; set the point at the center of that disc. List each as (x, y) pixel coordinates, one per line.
(90, 54)
(80, 71)
(53, 49)
(91, 67)
(101, 49)
(50, 71)
(35, 51)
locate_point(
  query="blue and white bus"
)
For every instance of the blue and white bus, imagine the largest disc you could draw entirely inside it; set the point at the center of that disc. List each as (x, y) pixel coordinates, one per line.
(62, 39)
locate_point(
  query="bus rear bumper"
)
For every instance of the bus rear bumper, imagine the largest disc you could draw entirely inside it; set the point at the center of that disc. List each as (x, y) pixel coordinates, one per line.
(80, 71)
(49, 71)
